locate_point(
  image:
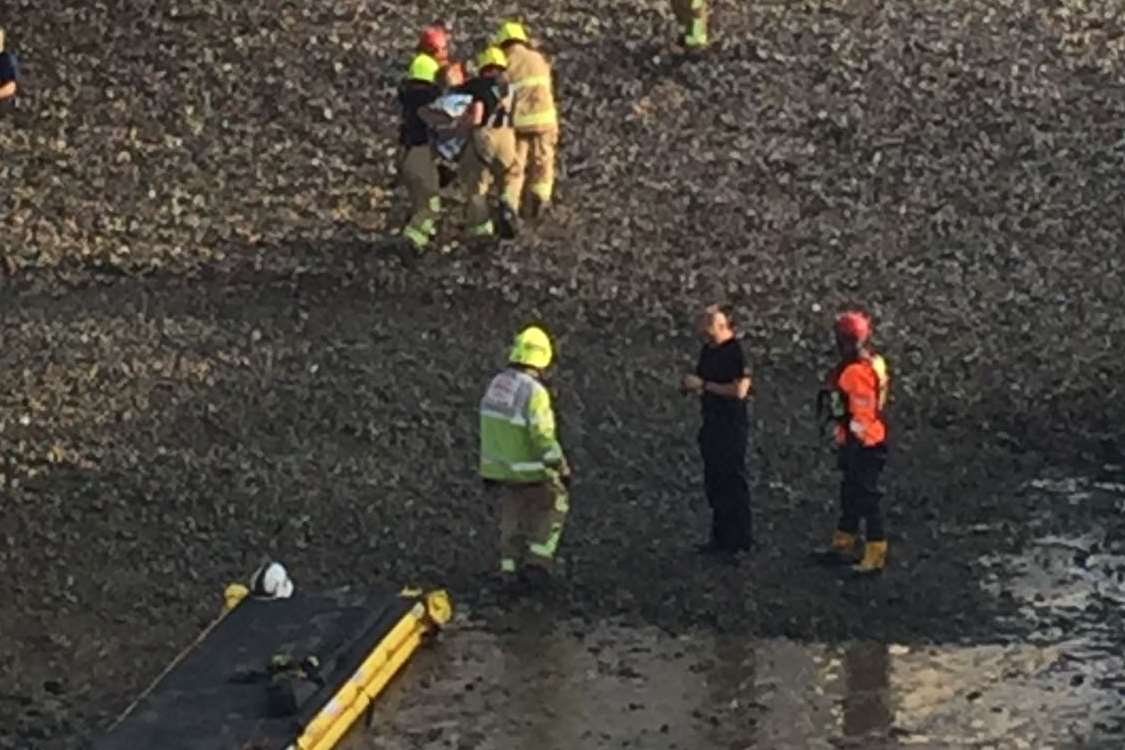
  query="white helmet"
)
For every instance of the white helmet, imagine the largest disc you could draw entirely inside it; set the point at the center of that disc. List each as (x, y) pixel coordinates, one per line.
(271, 582)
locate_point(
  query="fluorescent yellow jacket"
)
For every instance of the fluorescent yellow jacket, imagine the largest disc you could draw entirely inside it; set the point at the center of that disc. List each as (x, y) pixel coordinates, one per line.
(533, 107)
(517, 430)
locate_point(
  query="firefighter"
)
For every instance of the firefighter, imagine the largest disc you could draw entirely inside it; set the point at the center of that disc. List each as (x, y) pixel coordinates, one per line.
(490, 154)
(520, 456)
(722, 381)
(534, 117)
(419, 167)
(692, 17)
(854, 396)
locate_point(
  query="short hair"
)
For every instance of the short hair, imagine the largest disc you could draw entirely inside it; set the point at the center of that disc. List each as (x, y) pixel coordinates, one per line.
(714, 310)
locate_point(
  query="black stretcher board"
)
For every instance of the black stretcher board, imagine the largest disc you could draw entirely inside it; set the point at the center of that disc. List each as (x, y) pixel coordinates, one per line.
(197, 706)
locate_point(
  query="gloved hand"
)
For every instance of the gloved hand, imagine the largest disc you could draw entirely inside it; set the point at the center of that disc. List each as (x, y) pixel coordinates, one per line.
(823, 411)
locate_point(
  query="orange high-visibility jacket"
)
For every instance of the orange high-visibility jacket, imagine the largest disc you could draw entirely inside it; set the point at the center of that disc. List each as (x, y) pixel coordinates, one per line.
(859, 392)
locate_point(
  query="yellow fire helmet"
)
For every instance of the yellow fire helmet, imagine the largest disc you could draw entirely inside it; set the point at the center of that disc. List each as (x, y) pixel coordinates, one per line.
(532, 347)
(492, 56)
(423, 68)
(510, 31)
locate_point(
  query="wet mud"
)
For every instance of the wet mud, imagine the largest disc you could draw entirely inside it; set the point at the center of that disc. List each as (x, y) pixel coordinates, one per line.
(211, 357)
(527, 678)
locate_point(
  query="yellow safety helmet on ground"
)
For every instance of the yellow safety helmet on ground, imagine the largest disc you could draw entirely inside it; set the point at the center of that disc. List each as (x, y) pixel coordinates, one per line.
(492, 57)
(510, 31)
(423, 68)
(532, 347)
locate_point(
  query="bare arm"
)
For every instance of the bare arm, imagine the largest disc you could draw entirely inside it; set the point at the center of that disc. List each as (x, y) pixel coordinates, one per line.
(474, 116)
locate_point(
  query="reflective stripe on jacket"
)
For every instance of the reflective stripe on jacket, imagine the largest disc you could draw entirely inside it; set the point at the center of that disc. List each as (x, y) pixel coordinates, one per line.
(517, 430)
(533, 108)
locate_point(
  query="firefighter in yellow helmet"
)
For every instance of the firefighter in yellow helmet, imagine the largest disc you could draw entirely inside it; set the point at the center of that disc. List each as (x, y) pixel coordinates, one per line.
(692, 16)
(533, 116)
(520, 455)
(490, 154)
(419, 170)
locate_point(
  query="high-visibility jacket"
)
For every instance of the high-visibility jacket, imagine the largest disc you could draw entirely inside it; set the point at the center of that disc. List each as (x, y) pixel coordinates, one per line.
(533, 107)
(517, 430)
(858, 392)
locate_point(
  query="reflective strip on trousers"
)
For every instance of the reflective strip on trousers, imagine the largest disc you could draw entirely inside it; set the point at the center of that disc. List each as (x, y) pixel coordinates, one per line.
(435, 204)
(419, 237)
(481, 230)
(542, 190)
(507, 565)
(698, 4)
(546, 117)
(548, 548)
(698, 36)
(530, 81)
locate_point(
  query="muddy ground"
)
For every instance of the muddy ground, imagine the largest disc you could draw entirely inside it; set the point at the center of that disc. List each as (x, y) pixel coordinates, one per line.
(212, 357)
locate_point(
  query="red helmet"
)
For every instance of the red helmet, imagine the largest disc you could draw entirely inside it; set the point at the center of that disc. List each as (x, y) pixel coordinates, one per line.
(853, 325)
(434, 40)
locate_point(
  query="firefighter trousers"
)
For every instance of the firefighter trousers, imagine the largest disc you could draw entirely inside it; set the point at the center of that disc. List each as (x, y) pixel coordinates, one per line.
(535, 168)
(692, 17)
(860, 495)
(490, 156)
(420, 176)
(723, 448)
(531, 523)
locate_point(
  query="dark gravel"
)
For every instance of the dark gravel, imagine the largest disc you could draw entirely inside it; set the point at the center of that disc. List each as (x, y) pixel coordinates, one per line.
(212, 357)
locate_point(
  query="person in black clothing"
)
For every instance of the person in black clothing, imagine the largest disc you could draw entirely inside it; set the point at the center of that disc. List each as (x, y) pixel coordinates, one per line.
(7, 71)
(419, 167)
(722, 379)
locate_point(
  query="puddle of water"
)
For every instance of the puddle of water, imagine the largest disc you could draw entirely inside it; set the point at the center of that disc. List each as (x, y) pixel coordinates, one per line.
(531, 682)
(548, 687)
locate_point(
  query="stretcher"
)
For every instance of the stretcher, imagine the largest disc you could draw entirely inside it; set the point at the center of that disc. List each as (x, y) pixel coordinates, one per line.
(219, 693)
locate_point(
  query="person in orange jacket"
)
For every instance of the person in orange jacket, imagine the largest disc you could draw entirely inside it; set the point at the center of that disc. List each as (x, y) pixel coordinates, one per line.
(855, 393)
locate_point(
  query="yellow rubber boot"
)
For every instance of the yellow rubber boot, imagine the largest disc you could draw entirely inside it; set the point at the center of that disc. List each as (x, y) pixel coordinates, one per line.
(842, 550)
(874, 559)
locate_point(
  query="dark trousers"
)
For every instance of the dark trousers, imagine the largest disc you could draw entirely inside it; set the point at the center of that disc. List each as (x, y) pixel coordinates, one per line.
(859, 490)
(723, 447)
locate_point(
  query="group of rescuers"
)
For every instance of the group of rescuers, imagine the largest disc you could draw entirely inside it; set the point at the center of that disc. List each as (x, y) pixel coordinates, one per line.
(511, 128)
(524, 465)
(511, 131)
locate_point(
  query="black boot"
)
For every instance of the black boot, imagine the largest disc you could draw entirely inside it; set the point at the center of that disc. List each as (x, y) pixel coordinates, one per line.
(508, 222)
(535, 579)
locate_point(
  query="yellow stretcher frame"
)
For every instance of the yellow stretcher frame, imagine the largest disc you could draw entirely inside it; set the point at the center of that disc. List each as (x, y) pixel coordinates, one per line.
(356, 695)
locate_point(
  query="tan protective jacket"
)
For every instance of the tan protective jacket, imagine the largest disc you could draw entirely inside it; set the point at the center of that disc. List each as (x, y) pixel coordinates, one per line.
(534, 105)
